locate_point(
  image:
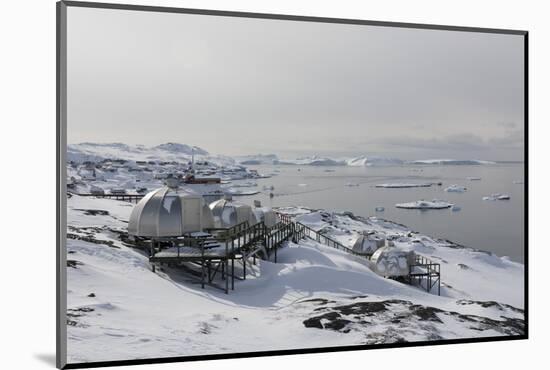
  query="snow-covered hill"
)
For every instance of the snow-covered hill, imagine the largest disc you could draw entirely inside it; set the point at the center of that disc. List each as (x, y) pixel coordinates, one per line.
(167, 152)
(315, 296)
(181, 148)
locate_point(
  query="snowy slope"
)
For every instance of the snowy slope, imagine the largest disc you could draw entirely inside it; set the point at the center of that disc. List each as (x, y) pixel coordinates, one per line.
(315, 296)
(466, 272)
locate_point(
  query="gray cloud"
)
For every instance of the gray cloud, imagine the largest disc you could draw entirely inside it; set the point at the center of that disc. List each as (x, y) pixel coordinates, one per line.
(238, 86)
(512, 139)
(507, 124)
(466, 142)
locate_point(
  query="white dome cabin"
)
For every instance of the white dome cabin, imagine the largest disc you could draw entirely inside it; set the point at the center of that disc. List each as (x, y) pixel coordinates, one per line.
(228, 213)
(265, 214)
(369, 242)
(390, 261)
(170, 211)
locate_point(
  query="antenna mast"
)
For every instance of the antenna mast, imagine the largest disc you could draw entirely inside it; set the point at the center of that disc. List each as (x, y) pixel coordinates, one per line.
(193, 159)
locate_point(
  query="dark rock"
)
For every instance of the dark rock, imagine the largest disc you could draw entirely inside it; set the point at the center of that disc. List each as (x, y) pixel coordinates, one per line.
(92, 239)
(73, 263)
(318, 301)
(93, 212)
(337, 324)
(315, 322)
(425, 313)
(361, 308)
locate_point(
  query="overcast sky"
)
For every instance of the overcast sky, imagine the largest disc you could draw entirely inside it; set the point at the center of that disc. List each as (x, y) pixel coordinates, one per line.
(242, 86)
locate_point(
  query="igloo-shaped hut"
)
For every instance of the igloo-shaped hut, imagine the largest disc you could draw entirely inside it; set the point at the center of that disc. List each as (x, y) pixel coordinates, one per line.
(228, 213)
(168, 212)
(369, 242)
(265, 214)
(391, 261)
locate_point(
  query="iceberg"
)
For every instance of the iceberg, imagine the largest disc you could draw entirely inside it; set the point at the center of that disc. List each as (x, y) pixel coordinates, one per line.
(450, 162)
(497, 196)
(258, 159)
(314, 161)
(423, 204)
(362, 161)
(455, 189)
(246, 184)
(403, 185)
(239, 192)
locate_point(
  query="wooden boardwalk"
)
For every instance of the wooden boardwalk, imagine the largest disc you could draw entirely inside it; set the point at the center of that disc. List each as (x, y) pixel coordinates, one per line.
(132, 198)
(424, 273)
(217, 253)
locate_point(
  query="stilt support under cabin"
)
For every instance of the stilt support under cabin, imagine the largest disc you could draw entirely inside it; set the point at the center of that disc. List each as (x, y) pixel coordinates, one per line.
(206, 257)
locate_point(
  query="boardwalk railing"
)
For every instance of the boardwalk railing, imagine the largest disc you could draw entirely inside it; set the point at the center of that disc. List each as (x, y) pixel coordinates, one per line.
(303, 231)
(426, 274)
(277, 235)
(218, 252)
(132, 198)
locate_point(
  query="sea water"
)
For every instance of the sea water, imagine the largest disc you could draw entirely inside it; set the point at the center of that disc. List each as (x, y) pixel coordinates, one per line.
(495, 226)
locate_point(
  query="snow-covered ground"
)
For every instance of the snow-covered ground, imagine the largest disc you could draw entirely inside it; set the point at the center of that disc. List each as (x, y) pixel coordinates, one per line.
(315, 296)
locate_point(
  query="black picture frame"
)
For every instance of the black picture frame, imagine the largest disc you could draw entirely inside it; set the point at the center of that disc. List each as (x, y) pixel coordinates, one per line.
(61, 147)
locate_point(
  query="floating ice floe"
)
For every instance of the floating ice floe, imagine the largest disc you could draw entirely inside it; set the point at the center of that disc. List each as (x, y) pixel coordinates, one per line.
(302, 184)
(471, 178)
(379, 209)
(497, 196)
(455, 189)
(239, 192)
(450, 162)
(373, 161)
(352, 184)
(455, 208)
(246, 184)
(424, 204)
(403, 185)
